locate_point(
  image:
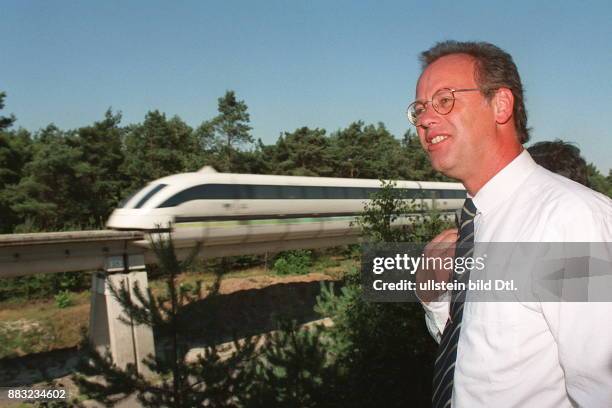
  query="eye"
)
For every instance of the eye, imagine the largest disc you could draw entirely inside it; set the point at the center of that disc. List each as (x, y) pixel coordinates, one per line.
(445, 101)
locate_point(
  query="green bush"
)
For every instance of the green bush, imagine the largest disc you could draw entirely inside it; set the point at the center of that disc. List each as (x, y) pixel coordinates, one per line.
(43, 286)
(63, 299)
(296, 262)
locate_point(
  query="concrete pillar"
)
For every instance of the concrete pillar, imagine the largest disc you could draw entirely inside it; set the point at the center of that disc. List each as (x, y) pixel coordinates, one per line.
(128, 343)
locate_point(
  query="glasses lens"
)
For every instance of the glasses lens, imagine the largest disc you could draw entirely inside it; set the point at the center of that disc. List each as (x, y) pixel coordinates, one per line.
(443, 101)
(414, 111)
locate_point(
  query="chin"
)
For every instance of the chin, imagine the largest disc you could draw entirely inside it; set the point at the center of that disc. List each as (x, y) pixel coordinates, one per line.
(439, 164)
(445, 168)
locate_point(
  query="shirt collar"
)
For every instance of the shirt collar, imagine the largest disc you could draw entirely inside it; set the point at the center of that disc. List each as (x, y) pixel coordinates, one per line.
(505, 183)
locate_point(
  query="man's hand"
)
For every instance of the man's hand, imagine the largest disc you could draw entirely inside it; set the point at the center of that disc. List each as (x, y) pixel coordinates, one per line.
(441, 247)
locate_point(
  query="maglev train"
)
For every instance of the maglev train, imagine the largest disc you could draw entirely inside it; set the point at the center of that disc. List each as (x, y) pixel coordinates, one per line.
(223, 208)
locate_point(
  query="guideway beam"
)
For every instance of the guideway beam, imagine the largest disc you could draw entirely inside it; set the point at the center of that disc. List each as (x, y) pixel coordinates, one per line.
(128, 343)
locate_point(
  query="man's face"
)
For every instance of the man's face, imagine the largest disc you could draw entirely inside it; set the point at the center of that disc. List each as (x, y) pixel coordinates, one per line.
(457, 141)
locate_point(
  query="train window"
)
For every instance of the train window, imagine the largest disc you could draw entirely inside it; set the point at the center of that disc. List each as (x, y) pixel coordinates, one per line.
(219, 192)
(413, 193)
(203, 192)
(452, 194)
(275, 192)
(292, 192)
(246, 191)
(424, 194)
(355, 193)
(150, 194)
(266, 192)
(334, 193)
(242, 191)
(314, 193)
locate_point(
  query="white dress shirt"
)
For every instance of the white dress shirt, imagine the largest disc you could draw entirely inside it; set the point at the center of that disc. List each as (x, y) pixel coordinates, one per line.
(533, 354)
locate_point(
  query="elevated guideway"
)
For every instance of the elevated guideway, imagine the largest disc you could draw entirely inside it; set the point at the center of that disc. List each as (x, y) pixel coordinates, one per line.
(51, 252)
(110, 250)
(120, 258)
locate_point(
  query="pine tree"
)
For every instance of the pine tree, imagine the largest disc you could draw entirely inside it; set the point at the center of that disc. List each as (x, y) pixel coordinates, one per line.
(228, 131)
(366, 151)
(209, 381)
(5, 121)
(101, 152)
(253, 161)
(295, 369)
(14, 153)
(157, 148)
(303, 152)
(598, 181)
(47, 195)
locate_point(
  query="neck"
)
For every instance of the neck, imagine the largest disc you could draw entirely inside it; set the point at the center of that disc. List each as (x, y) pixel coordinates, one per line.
(497, 160)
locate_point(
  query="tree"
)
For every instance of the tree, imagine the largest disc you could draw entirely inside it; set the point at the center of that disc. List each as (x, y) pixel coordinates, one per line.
(48, 194)
(101, 152)
(157, 148)
(5, 121)
(229, 130)
(366, 151)
(255, 161)
(303, 152)
(15, 152)
(598, 182)
(294, 369)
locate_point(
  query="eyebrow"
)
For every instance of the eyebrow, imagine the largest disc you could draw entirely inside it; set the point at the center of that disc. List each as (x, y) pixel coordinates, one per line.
(436, 91)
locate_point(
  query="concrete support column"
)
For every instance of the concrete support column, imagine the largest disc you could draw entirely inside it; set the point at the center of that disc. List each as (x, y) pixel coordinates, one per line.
(128, 343)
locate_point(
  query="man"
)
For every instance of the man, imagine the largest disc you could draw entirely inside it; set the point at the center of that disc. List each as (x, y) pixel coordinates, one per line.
(561, 158)
(471, 119)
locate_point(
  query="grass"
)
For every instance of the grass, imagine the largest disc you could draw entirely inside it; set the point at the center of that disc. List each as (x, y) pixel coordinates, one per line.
(33, 327)
(28, 326)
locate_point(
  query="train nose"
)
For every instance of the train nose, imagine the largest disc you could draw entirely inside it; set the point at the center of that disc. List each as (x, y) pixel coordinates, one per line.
(135, 219)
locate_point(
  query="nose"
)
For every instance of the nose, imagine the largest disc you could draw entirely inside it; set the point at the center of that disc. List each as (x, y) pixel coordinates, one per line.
(429, 117)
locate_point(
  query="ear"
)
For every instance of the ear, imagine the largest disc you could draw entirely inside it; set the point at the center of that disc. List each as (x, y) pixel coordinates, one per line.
(504, 105)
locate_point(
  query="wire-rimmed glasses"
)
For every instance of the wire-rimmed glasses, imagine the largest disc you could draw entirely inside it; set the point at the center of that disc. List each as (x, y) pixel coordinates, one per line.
(442, 101)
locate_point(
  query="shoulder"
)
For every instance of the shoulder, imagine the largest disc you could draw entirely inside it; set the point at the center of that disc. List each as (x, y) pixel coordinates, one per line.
(573, 210)
(567, 195)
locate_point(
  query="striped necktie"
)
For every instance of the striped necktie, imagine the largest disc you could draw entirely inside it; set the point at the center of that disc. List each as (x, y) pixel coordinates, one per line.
(444, 367)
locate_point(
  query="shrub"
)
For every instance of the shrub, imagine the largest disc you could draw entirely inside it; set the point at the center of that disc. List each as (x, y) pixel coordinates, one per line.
(63, 299)
(296, 262)
(41, 286)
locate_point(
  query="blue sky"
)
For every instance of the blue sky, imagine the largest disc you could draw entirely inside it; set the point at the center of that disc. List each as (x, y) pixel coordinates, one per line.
(309, 63)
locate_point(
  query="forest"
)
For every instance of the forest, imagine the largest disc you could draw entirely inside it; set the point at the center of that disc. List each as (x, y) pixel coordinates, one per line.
(53, 179)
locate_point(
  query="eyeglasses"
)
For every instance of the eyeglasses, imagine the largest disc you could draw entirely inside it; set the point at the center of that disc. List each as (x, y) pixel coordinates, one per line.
(442, 101)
